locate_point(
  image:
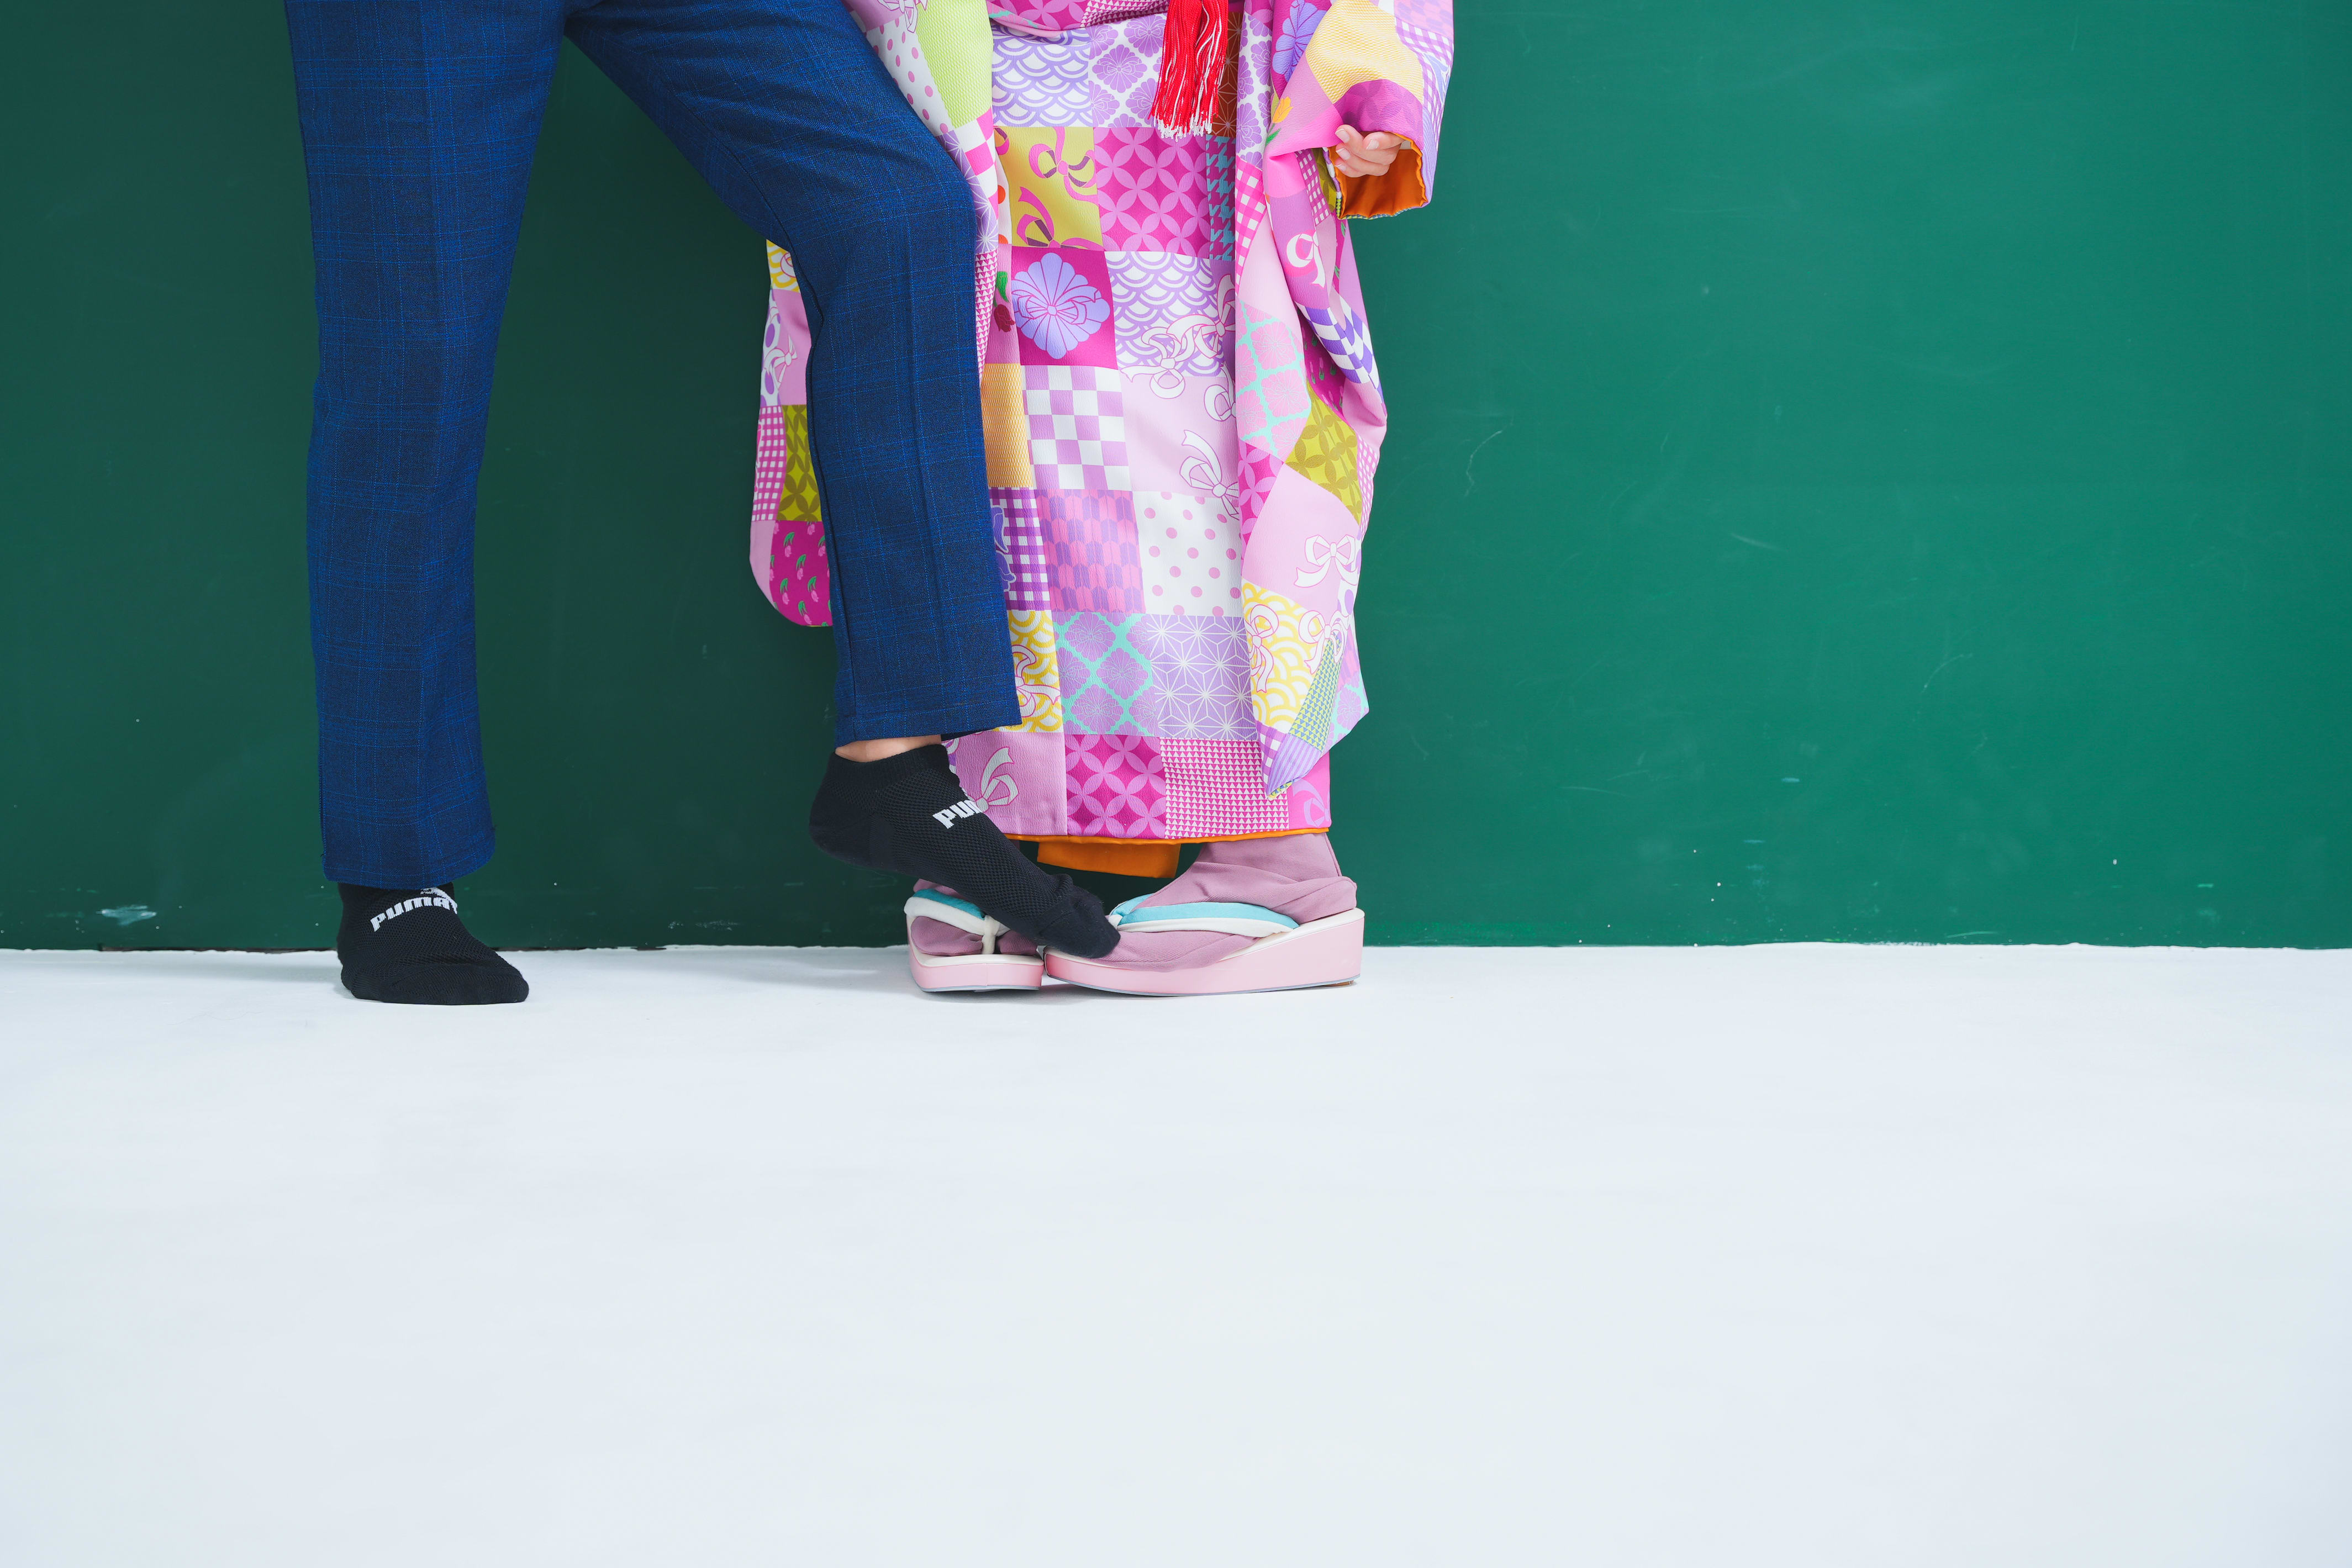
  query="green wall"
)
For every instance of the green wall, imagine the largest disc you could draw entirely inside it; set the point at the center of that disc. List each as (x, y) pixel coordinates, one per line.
(1861, 471)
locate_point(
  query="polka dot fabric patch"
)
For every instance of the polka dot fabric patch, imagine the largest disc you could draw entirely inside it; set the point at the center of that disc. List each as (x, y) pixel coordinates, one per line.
(1191, 556)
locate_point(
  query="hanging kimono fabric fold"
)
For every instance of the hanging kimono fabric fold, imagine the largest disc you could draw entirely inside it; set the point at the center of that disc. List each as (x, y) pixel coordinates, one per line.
(1184, 410)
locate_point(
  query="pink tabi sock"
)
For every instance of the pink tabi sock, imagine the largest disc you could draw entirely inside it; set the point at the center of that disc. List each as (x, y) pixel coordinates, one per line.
(1295, 874)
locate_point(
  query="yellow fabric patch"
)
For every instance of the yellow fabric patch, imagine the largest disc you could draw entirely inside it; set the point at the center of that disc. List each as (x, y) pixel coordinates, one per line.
(955, 38)
(780, 268)
(1036, 671)
(1327, 454)
(1005, 420)
(1284, 638)
(798, 503)
(1053, 180)
(1357, 43)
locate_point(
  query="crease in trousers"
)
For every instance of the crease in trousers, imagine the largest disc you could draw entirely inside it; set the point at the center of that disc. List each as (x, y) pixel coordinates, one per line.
(420, 119)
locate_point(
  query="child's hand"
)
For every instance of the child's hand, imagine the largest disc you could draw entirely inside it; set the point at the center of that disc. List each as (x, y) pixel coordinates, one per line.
(1357, 155)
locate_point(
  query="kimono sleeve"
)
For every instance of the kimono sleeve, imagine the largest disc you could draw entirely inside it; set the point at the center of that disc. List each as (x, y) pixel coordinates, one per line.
(1374, 67)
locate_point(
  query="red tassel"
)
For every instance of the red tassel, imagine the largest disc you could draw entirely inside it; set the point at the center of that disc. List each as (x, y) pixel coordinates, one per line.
(1192, 68)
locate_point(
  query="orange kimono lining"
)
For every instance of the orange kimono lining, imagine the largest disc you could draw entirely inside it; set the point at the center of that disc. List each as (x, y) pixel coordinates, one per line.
(1131, 857)
(1382, 195)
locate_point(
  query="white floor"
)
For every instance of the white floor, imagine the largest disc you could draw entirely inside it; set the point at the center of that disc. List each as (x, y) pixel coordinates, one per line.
(1724, 1258)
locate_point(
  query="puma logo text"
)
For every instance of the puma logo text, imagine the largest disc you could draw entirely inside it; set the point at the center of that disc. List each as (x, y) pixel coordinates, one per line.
(432, 898)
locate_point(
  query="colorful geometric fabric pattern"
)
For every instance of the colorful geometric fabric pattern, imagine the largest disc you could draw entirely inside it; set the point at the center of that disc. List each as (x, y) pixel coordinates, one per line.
(1286, 640)
(1077, 427)
(1191, 556)
(1041, 80)
(1203, 670)
(1126, 61)
(1091, 562)
(1175, 315)
(1216, 789)
(1106, 681)
(1116, 788)
(1327, 453)
(788, 553)
(1037, 669)
(1021, 559)
(1182, 402)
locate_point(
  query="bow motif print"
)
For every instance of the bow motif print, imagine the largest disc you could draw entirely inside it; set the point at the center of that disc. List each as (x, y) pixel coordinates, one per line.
(1324, 556)
(1205, 475)
(991, 780)
(1171, 346)
(1032, 224)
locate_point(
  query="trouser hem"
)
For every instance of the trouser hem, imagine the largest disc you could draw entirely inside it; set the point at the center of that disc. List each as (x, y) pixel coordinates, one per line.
(378, 873)
(968, 719)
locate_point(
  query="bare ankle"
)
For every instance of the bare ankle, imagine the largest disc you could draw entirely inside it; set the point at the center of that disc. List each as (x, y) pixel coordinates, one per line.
(876, 751)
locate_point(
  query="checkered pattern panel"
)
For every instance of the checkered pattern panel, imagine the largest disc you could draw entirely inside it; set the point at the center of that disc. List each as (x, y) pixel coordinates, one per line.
(1021, 549)
(1249, 204)
(1077, 431)
(768, 464)
(1101, 11)
(1435, 49)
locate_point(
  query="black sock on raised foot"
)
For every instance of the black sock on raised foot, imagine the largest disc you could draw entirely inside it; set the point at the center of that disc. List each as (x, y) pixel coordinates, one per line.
(407, 945)
(909, 814)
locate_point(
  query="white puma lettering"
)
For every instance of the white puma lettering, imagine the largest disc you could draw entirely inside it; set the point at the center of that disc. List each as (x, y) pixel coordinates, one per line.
(967, 807)
(431, 898)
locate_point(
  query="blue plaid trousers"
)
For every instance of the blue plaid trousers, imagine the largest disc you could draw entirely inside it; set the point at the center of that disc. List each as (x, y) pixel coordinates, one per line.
(419, 120)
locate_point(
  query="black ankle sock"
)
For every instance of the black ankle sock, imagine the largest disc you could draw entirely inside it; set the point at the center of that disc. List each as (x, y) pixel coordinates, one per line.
(909, 814)
(407, 945)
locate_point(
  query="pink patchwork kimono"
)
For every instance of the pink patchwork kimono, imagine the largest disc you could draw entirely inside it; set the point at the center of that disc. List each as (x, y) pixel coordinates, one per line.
(1184, 410)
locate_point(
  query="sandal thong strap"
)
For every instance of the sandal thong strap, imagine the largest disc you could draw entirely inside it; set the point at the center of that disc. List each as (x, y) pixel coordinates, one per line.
(960, 912)
(1228, 919)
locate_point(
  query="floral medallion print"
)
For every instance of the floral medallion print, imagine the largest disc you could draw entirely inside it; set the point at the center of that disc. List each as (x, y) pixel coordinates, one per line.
(1055, 305)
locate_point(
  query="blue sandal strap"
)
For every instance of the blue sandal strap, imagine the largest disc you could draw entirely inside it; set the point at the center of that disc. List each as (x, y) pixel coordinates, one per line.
(1228, 919)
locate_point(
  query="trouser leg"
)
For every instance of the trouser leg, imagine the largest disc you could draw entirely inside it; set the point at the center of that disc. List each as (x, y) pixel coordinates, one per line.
(785, 111)
(419, 117)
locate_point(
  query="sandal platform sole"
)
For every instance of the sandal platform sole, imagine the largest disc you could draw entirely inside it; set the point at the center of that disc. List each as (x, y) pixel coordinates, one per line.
(1326, 952)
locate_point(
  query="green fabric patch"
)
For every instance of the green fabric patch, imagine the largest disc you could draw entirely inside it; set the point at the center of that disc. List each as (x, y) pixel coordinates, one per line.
(955, 39)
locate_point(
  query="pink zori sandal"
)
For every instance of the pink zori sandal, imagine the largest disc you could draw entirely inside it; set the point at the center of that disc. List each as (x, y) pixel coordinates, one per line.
(1284, 955)
(986, 970)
